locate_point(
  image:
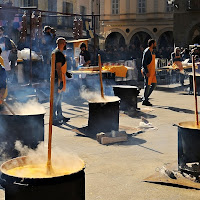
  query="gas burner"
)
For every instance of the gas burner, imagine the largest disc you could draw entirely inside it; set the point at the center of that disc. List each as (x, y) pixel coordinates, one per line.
(191, 171)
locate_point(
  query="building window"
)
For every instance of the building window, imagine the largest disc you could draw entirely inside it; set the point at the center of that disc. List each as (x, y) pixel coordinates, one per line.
(169, 7)
(68, 8)
(83, 10)
(141, 6)
(115, 7)
(52, 5)
(29, 3)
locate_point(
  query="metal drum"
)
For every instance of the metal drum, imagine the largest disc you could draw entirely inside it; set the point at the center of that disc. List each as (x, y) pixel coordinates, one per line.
(28, 129)
(70, 186)
(104, 116)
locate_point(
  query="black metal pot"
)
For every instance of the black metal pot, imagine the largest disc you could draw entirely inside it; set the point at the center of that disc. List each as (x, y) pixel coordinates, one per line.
(188, 144)
(103, 116)
(128, 95)
(29, 129)
(197, 82)
(71, 187)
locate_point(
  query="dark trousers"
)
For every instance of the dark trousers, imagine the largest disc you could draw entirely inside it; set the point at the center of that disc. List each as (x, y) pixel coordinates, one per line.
(57, 109)
(181, 78)
(47, 66)
(148, 89)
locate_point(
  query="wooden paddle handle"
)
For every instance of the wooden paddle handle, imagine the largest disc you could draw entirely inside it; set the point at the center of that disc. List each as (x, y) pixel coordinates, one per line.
(51, 109)
(4, 103)
(195, 91)
(100, 74)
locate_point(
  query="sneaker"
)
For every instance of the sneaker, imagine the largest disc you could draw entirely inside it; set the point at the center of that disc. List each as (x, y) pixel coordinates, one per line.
(64, 119)
(57, 122)
(146, 103)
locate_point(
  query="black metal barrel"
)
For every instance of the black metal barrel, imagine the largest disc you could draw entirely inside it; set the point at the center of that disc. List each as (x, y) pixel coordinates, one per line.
(70, 187)
(188, 144)
(28, 129)
(128, 95)
(104, 116)
(197, 83)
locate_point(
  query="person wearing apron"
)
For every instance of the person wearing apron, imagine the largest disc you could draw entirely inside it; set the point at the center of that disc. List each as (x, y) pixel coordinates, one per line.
(177, 64)
(149, 72)
(60, 81)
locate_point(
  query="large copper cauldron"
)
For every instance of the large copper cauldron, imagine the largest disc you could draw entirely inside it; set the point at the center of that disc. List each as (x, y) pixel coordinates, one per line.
(71, 186)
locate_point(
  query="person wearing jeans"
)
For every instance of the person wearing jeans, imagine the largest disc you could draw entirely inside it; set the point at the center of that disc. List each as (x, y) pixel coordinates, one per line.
(149, 72)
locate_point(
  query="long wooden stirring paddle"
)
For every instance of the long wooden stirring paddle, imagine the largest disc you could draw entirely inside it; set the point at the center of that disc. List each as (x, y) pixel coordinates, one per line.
(8, 107)
(49, 164)
(195, 90)
(100, 74)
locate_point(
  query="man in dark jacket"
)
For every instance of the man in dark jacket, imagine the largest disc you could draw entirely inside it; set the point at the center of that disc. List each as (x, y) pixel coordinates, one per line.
(149, 72)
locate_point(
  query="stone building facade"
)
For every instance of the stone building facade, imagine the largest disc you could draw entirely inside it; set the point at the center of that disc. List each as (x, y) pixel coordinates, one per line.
(63, 24)
(187, 22)
(135, 21)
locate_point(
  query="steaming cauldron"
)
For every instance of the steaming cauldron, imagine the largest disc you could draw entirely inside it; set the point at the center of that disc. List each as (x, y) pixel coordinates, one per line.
(188, 144)
(128, 95)
(71, 187)
(29, 129)
(104, 115)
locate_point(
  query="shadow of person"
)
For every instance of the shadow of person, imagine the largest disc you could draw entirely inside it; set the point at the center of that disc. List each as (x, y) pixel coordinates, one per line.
(138, 114)
(172, 90)
(175, 109)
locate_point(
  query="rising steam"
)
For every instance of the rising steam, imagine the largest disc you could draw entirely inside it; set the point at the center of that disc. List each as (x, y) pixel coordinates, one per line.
(32, 107)
(96, 97)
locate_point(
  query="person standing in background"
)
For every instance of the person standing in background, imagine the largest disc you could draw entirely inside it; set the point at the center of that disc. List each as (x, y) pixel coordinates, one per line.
(176, 57)
(84, 57)
(60, 81)
(3, 77)
(149, 72)
(9, 53)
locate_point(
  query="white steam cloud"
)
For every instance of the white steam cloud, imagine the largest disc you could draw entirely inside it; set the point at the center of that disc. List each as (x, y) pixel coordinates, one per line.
(32, 107)
(96, 97)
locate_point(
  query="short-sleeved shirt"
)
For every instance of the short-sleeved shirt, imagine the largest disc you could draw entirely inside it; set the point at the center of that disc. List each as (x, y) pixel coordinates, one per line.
(59, 58)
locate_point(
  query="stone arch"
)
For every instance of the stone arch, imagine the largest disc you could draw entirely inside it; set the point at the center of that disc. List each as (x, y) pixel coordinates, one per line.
(166, 39)
(194, 34)
(115, 39)
(140, 39)
(140, 30)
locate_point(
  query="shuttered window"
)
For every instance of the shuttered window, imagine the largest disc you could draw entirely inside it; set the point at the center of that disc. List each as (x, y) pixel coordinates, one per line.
(141, 6)
(115, 7)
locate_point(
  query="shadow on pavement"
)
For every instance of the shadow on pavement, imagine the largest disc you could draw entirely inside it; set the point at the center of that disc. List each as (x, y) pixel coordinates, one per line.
(132, 141)
(138, 114)
(172, 90)
(175, 109)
